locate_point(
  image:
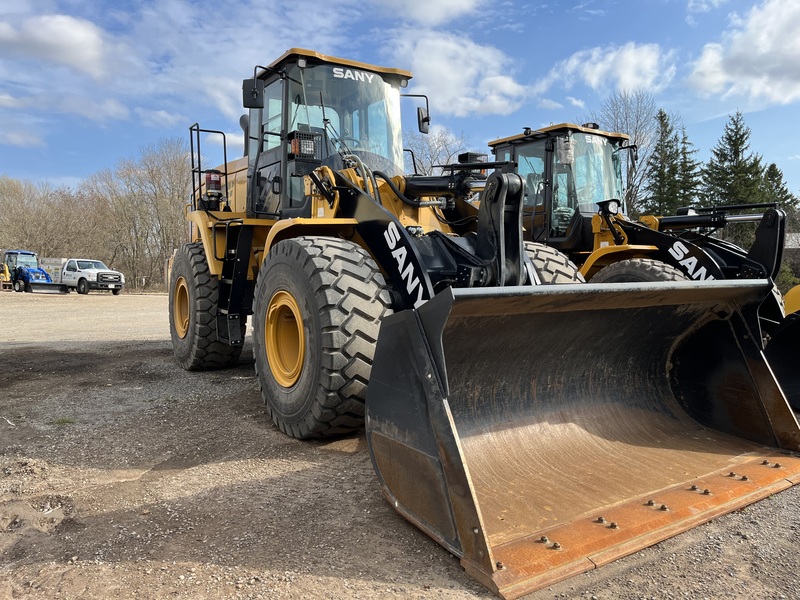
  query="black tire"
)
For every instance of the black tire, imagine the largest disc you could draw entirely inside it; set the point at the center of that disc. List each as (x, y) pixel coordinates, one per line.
(83, 287)
(318, 306)
(551, 265)
(116, 291)
(193, 313)
(638, 269)
(19, 285)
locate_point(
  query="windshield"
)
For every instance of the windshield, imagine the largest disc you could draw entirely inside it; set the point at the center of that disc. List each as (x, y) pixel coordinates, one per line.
(355, 112)
(587, 170)
(91, 264)
(26, 260)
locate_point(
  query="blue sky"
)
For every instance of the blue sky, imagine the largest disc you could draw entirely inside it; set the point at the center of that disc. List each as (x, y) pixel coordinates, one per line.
(87, 83)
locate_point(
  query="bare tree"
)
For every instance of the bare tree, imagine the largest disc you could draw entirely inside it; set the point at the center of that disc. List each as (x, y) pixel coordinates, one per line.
(634, 113)
(141, 205)
(439, 147)
(48, 220)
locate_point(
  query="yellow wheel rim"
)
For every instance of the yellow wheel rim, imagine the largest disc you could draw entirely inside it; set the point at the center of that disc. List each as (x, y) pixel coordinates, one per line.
(180, 307)
(285, 340)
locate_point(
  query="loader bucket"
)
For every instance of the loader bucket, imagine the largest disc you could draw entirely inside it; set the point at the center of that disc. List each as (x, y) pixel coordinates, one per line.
(540, 432)
(782, 353)
(47, 288)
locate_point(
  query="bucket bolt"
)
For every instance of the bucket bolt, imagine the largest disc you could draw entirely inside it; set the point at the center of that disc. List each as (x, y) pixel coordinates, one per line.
(706, 492)
(731, 474)
(745, 478)
(556, 546)
(651, 503)
(613, 525)
(544, 539)
(777, 466)
(765, 462)
(500, 565)
(600, 520)
(694, 487)
(664, 507)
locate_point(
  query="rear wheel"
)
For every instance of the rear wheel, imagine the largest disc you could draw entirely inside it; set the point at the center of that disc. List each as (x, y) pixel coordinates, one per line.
(83, 287)
(318, 306)
(638, 269)
(551, 265)
(193, 313)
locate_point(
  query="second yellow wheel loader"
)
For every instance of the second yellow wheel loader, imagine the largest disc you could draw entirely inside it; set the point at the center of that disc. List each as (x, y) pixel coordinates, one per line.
(534, 430)
(573, 203)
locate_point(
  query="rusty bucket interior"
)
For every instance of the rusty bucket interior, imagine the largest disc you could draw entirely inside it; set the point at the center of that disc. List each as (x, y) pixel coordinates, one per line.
(541, 432)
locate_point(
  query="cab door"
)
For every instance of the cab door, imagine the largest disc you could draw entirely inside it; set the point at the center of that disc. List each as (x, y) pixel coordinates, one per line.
(70, 274)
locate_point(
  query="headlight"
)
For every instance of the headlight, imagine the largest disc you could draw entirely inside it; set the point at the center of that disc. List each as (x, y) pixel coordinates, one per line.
(92, 276)
(610, 207)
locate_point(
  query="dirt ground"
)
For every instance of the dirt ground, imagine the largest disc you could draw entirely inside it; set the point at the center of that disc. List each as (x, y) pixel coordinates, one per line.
(122, 475)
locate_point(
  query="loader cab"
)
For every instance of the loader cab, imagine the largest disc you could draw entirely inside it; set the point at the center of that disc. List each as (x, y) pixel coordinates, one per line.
(567, 169)
(307, 110)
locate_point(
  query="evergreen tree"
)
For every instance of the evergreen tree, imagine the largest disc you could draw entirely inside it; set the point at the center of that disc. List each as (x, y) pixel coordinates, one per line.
(689, 172)
(775, 189)
(661, 189)
(732, 175)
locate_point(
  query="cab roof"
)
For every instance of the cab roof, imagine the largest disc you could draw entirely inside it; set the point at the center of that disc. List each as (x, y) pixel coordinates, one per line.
(530, 135)
(294, 53)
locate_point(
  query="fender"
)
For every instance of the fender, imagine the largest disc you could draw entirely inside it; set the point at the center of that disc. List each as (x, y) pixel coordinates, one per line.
(607, 255)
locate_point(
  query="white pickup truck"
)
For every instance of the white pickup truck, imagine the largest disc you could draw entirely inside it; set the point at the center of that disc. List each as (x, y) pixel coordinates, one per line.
(83, 274)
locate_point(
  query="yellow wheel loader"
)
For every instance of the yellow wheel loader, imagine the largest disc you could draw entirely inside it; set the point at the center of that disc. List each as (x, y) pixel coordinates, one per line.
(573, 203)
(6, 284)
(534, 430)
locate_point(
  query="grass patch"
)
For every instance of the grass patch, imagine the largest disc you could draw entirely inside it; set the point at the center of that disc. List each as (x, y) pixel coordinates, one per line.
(64, 421)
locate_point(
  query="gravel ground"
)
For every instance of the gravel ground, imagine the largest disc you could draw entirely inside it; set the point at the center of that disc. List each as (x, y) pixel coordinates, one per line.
(121, 474)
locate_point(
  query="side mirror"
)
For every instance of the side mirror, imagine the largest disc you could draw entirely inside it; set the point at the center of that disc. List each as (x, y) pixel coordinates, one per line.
(244, 123)
(423, 119)
(253, 93)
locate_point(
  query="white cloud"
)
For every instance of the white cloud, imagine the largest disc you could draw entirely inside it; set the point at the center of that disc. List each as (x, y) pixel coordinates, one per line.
(17, 7)
(430, 13)
(72, 42)
(22, 139)
(757, 58)
(159, 118)
(8, 101)
(576, 102)
(704, 6)
(695, 7)
(105, 110)
(623, 68)
(549, 104)
(461, 77)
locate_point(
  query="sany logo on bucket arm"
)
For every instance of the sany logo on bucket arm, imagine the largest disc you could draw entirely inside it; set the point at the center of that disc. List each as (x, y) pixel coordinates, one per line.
(680, 252)
(400, 253)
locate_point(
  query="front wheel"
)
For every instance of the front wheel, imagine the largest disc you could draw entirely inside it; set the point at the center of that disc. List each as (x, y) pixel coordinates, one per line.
(19, 286)
(551, 265)
(318, 306)
(193, 294)
(83, 287)
(638, 269)
(116, 291)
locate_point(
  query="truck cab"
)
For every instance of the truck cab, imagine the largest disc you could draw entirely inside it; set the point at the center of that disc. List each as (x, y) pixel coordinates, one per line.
(83, 275)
